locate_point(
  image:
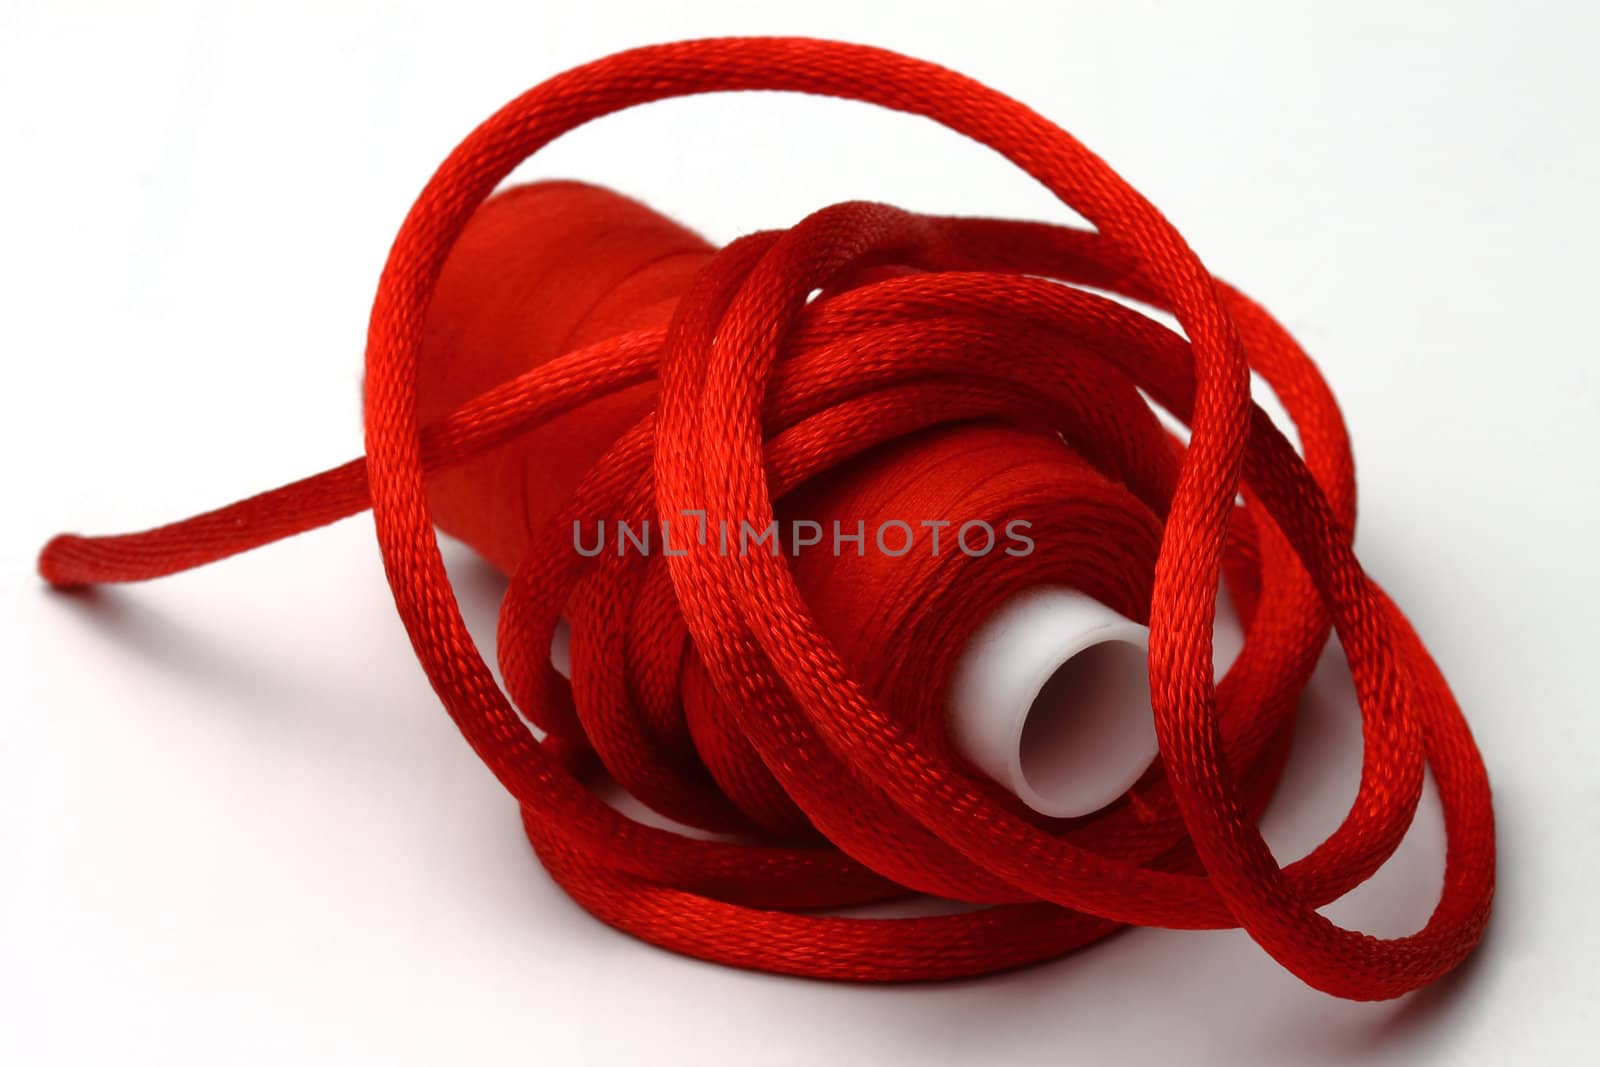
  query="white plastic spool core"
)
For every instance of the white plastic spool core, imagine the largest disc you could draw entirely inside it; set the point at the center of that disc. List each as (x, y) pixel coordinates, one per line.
(1051, 698)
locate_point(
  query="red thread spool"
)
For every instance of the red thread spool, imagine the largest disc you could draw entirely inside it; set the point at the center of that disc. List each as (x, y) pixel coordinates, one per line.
(542, 270)
(793, 708)
(547, 268)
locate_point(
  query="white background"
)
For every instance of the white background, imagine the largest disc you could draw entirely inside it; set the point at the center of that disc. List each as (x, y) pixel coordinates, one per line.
(235, 827)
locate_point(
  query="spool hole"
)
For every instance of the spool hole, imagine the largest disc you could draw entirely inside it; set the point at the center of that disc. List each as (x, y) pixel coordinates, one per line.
(1090, 716)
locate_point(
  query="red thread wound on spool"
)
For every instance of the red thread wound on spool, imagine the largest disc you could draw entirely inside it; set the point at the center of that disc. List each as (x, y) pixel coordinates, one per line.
(546, 268)
(798, 707)
(543, 269)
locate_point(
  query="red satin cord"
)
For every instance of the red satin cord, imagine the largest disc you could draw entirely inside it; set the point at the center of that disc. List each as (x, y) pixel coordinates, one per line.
(795, 704)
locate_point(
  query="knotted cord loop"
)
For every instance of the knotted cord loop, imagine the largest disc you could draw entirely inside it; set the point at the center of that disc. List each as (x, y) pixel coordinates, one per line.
(709, 686)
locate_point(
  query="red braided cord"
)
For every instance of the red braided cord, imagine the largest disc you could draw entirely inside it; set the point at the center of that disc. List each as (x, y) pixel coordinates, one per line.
(760, 390)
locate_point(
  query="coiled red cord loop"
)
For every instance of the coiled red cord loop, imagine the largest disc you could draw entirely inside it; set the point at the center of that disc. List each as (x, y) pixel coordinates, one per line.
(841, 797)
